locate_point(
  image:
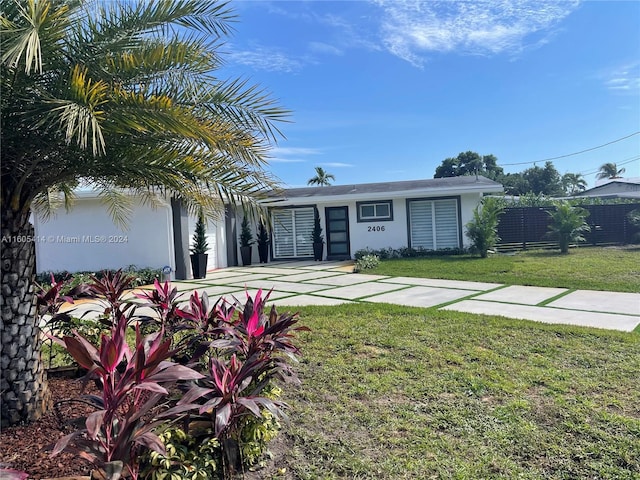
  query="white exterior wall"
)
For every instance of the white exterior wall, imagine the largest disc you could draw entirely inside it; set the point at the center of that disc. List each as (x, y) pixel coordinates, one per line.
(379, 234)
(468, 204)
(393, 233)
(86, 239)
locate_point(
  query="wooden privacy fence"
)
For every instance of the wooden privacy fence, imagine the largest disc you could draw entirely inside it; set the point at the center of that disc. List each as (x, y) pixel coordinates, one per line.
(527, 227)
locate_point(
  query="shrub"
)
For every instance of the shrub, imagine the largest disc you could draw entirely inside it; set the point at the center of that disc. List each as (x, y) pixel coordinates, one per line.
(186, 457)
(199, 240)
(140, 276)
(246, 237)
(246, 353)
(567, 224)
(131, 383)
(366, 262)
(482, 230)
(231, 356)
(634, 219)
(316, 233)
(407, 252)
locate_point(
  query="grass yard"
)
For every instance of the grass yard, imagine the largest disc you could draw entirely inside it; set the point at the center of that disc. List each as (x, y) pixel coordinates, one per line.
(399, 393)
(591, 268)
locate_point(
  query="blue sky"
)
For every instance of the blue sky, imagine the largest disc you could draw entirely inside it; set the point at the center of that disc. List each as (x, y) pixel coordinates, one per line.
(385, 90)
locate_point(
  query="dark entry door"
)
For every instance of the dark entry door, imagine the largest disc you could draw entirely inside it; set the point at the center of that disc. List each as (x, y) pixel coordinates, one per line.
(337, 233)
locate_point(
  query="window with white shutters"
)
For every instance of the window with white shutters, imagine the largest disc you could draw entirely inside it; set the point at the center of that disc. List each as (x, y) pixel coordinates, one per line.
(292, 230)
(434, 224)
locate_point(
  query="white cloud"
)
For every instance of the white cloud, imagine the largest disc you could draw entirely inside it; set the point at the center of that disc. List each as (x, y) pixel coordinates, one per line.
(412, 29)
(286, 160)
(266, 58)
(324, 48)
(284, 151)
(624, 79)
(338, 164)
(292, 154)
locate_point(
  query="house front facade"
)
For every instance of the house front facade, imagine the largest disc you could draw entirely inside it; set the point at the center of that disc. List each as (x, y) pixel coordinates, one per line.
(428, 214)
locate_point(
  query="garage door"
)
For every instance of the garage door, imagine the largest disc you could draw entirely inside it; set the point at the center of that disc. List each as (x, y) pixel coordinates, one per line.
(434, 224)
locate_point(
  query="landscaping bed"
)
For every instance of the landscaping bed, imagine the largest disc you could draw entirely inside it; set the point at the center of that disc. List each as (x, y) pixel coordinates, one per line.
(27, 448)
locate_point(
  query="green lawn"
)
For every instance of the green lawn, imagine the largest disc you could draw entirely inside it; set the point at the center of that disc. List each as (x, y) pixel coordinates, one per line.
(591, 268)
(400, 393)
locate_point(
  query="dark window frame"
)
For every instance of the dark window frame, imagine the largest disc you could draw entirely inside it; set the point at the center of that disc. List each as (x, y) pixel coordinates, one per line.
(374, 219)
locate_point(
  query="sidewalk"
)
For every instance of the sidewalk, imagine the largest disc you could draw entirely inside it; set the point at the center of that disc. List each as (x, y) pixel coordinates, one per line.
(330, 283)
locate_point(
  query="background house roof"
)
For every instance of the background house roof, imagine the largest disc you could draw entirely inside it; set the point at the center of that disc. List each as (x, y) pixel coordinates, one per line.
(433, 186)
(616, 188)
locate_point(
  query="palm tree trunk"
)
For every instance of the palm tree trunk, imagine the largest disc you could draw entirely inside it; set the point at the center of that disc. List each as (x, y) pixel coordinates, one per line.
(22, 379)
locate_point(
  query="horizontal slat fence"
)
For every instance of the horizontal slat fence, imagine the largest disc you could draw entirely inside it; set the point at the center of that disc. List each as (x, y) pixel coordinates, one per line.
(527, 227)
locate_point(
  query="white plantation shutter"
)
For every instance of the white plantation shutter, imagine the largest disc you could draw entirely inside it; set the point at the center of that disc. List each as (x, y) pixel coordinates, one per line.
(446, 220)
(292, 230)
(304, 229)
(282, 233)
(421, 215)
(434, 224)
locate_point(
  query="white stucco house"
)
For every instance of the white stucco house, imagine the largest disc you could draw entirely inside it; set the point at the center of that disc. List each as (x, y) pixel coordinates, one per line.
(422, 213)
(86, 238)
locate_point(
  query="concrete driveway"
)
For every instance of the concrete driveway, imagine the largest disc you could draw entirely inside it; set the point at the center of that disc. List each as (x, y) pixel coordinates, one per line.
(331, 283)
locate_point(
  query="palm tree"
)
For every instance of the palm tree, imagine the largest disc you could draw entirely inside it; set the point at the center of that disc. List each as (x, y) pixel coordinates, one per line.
(120, 95)
(573, 183)
(609, 170)
(567, 224)
(482, 230)
(322, 178)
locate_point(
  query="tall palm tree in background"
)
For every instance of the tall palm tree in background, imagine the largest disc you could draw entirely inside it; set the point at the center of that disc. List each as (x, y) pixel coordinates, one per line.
(573, 183)
(322, 178)
(118, 95)
(609, 170)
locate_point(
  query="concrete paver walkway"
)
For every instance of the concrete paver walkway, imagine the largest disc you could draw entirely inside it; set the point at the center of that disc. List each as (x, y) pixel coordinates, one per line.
(329, 283)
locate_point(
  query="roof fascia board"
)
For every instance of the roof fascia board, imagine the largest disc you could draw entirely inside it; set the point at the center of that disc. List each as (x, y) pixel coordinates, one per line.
(433, 192)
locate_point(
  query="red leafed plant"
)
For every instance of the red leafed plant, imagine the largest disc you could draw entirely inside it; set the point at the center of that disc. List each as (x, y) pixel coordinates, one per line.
(227, 392)
(268, 338)
(246, 352)
(132, 383)
(111, 287)
(163, 300)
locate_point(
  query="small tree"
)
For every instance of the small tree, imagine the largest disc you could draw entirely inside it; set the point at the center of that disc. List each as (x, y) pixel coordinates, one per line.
(567, 224)
(483, 229)
(634, 219)
(263, 235)
(246, 237)
(316, 234)
(200, 244)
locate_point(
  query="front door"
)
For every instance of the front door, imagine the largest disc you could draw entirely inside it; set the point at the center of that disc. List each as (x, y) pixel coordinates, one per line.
(337, 233)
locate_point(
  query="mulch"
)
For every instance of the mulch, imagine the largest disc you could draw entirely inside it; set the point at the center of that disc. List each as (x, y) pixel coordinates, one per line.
(28, 447)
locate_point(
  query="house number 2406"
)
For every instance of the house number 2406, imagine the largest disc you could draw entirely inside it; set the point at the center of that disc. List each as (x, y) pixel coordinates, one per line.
(375, 229)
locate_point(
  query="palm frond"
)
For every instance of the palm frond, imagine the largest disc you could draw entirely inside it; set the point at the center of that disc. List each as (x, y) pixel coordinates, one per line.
(48, 202)
(80, 114)
(118, 203)
(27, 28)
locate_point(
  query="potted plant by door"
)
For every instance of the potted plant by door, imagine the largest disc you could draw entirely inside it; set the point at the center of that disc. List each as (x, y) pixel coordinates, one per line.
(263, 243)
(199, 249)
(316, 235)
(246, 239)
